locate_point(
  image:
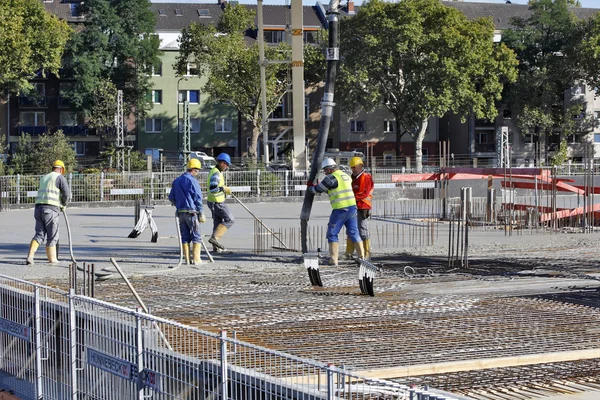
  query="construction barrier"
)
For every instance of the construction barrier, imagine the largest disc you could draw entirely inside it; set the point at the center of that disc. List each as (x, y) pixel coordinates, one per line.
(58, 345)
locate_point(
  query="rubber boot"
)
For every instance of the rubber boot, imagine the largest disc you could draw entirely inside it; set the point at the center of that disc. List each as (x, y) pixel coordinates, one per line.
(333, 253)
(186, 252)
(360, 250)
(51, 253)
(367, 245)
(33, 246)
(217, 235)
(196, 249)
(349, 249)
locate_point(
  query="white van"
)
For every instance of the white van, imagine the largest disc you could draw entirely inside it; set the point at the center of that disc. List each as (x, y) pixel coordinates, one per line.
(207, 161)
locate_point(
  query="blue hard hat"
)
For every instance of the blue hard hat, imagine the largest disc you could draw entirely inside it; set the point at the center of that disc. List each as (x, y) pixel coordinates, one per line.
(224, 157)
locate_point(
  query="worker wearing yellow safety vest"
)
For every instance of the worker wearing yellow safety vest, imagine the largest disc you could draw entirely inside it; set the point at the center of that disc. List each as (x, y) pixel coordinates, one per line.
(52, 197)
(339, 187)
(222, 217)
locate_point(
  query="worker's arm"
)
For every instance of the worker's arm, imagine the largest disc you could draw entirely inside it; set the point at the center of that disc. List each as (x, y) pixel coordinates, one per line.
(363, 186)
(197, 196)
(214, 183)
(328, 183)
(65, 191)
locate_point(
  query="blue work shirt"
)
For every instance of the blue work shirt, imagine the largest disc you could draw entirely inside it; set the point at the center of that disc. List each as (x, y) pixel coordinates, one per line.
(186, 194)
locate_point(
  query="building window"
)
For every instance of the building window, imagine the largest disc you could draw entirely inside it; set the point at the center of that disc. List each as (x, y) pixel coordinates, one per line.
(579, 90)
(191, 69)
(193, 96)
(194, 125)
(274, 37)
(32, 118)
(596, 137)
(485, 136)
(310, 37)
(67, 118)
(157, 69)
(79, 148)
(389, 126)
(357, 126)
(155, 96)
(424, 154)
(306, 109)
(223, 125)
(507, 113)
(278, 112)
(153, 125)
(74, 10)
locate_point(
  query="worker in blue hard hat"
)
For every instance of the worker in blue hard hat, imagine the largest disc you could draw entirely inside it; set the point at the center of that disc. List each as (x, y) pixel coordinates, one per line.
(222, 217)
(186, 196)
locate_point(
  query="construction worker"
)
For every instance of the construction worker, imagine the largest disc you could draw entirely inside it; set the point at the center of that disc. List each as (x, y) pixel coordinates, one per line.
(339, 187)
(52, 197)
(222, 217)
(362, 186)
(186, 196)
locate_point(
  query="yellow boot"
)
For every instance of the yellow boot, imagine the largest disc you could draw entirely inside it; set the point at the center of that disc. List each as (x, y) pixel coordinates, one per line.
(196, 248)
(217, 235)
(333, 253)
(360, 250)
(186, 252)
(33, 246)
(367, 244)
(349, 249)
(51, 253)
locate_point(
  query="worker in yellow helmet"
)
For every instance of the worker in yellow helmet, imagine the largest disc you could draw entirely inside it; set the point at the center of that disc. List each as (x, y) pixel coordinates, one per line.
(186, 196)
(52, 197)
(362, 186)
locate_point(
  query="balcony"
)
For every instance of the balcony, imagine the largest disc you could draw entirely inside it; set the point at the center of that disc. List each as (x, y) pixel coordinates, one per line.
(79, 130)
(485, 147)
(33, 130)
(37, 102)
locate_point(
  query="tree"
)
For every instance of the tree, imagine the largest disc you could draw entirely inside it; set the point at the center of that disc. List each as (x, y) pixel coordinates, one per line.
(32, 40)
(3, 149)
(51, 147)
(115, 50)
(545, 44)
(420, 59)
(231, 66)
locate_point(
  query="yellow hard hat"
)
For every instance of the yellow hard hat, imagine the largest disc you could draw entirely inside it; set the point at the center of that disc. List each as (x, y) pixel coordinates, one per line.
(59, 163)
(354, 161)
(194, 163)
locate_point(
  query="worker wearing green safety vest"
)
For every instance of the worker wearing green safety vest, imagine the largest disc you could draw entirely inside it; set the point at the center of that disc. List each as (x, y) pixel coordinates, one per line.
(53, 195)
(222, 217)
(338, 186)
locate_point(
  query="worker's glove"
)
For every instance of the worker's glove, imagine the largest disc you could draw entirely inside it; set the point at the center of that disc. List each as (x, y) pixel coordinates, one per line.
(227, 190)
(365, 213)
(201, 218)
(310, 184)
(62, 208)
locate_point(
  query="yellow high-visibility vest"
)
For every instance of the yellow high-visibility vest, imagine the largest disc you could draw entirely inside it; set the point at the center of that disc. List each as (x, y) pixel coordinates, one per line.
(342, 196)
(48, 193)
(218, 197)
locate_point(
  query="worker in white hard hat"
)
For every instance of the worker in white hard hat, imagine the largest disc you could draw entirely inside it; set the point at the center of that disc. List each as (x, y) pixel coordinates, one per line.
(52, 197)
(186, 196)
(338, 186)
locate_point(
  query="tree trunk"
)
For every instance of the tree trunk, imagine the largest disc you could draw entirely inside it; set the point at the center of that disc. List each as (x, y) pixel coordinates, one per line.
(419, 145)
(252, 150)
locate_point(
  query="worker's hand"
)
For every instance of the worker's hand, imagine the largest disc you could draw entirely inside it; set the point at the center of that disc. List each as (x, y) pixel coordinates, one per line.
(311, 189)
(62, 208)
(367, 214)
(201, 218)
(227, 190)
(312, 184)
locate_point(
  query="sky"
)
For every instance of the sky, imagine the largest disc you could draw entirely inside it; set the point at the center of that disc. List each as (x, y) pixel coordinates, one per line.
(584, 3)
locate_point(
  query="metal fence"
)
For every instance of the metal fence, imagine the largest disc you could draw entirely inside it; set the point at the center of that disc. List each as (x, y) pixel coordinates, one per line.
(58, 345)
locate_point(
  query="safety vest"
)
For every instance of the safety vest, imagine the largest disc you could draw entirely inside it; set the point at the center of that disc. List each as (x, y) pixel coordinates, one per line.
(218, 197)
(48, 193)
(342, 196)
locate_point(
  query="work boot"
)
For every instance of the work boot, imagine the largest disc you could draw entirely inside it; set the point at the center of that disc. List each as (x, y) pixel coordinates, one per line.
(360, 250)
(196, 248)
(51, 253)
(217, 235)
(33, 246)
(333, 253)
(367, 245)
(349, 249)
(186, 252)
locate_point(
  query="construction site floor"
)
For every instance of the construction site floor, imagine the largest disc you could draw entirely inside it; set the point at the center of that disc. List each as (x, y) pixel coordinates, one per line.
(520, 320)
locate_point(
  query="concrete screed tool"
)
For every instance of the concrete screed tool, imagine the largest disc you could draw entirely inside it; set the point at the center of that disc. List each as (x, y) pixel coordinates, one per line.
(144, 222)
(366, 273)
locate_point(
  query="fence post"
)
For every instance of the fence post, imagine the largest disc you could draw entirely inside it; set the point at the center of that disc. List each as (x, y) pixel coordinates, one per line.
(258, 182)
(224, 377)
(151, 186)
(101, 186)
(38, 345)
(73, 343)
(139, 347)
(287, 188)
(330, 388)
(18, 189)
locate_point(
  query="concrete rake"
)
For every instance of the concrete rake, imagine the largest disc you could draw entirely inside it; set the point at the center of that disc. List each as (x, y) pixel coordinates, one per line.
(366, 273)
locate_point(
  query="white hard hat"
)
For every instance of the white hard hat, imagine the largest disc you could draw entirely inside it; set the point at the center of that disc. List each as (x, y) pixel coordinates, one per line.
(328, 163)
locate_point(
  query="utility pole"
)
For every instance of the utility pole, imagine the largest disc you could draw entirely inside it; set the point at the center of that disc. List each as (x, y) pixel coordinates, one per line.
(186, 132)
(327, 104)
(120, 134)
(298, 117)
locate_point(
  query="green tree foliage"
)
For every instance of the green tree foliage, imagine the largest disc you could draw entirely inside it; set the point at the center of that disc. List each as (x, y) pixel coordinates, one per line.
(587, 51)
(3, 150)
(231, 66)
(49, 148)
(32, 40)
(420, 59)
(546, 45)
(115, 49)
(22, 159)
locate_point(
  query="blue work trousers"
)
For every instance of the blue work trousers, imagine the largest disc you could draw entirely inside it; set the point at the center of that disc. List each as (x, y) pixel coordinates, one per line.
(189, 227)
(343, 217)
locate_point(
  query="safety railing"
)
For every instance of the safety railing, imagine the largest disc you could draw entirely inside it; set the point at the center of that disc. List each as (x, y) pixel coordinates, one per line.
(58, 345)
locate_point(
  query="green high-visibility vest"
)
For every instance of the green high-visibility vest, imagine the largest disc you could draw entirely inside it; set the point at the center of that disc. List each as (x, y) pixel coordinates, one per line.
(218, 197)
(48, 193)
(342, 196)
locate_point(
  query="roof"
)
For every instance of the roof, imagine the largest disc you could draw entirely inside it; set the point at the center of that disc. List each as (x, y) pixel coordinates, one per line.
(62, 10)
(503, 13)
